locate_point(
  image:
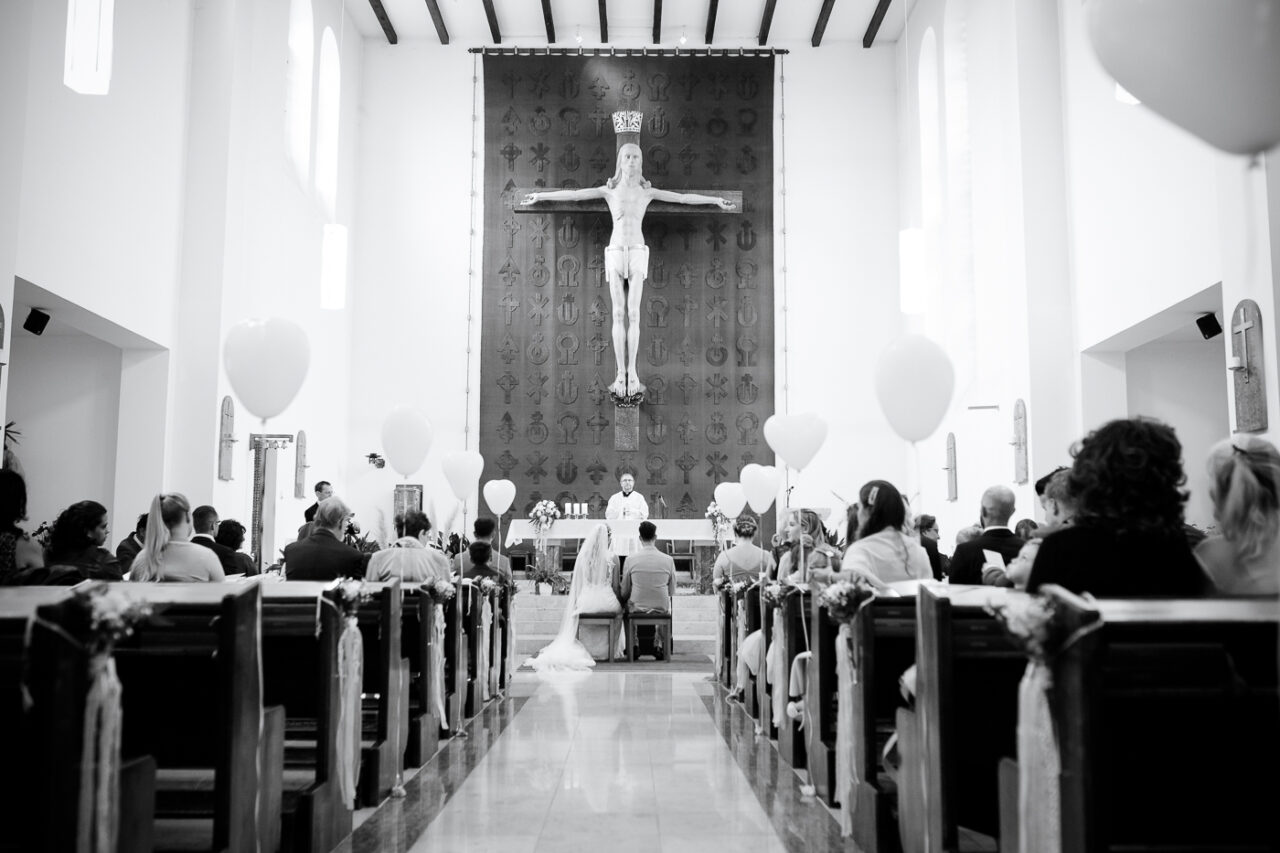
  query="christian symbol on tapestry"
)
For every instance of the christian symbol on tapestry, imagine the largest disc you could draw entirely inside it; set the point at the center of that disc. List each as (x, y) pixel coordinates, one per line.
(508, 350)
(506, 462)
(511, 121)
(539, 307)
(747, 315)
(597, 233)
(688, 124)
(717, 353)
(568, 311)
(659, 159)
(541, 122)
(506, 428)
(509, 304)
(658, 85)
(686, 428)
(597, 390)
(540, 158)
(686, 276)
(539, 275)
(569, 426)
(598, 345)
(746, 239)
(747, 459)
(597, 423)
(658, 274)
(569, 234)
(716, 432)
(569, 85)
(719, 311)
(566, 470)
(687, 157)
(686, 352)
(569, 120)
(535, 471)
(747, 347)
(599, 312)
(748, 391)
(538, 389)
(510, 152)
(538, 84)
(716, 125)
(596, 265)
(537, 351)
(688, 82)
(509, 272)
(747, 160)
(567, 389)
(747, 269)
(569, 267)
(567, 344)
(715, 466)
(687, 307)
(657, 391)
(719, 85)
(599, 88)
(599, 117)
(597, 503)
(536, 431)
(657, 352)
(596, 470)
(686, 230)
(656, 464)
(599, 160)
(715, 158)
(630, 87)
(748, 424)
(747, 119)
(512, 228)
(687, 386)
(686, 464)
(687, 506)
(715, 236)
(566, 497)
(748, 86)
(569, 158)
(507, 383)
(538, 231)
(656, 431)
(511, 78)
(658, 124)
(717, 388)
(716, 276)
(657, 312)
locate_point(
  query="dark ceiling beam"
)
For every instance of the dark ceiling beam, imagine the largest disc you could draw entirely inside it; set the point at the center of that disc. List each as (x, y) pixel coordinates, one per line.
(436, 18)
(876, 19)
(657, 21)
(821, 26)
(494, 30)
(766, 21)
(711, 20)
(549, 21)
(604, 23)
(381, 14)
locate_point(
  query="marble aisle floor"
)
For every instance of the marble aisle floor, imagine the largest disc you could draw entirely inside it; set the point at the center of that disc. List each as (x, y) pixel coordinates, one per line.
(608, 762)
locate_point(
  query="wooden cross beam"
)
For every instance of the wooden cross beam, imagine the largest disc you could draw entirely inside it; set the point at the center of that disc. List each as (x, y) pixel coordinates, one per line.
(598, 205)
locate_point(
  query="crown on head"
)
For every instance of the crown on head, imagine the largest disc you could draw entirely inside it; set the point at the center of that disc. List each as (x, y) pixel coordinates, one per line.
(627, 121)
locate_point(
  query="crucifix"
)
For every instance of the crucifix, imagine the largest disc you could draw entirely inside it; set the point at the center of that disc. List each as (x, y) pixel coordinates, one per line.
(1247, 366)
(627, 197)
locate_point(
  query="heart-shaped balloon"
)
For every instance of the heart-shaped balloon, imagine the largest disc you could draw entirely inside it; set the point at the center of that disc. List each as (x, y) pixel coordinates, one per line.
(731, 498)
(499, 494)
(406, 438)
(1212, 67)
(266, 361)
(760, 484)
(462, 469)
(796, 438)
(914, 381)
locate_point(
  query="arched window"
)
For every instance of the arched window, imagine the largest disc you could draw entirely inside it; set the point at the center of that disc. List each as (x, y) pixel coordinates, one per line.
(330, 94)
(87, 64)
(920, 248)
(297, 108)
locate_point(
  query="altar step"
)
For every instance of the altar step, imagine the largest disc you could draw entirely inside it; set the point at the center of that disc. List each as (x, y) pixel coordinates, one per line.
(537, 619)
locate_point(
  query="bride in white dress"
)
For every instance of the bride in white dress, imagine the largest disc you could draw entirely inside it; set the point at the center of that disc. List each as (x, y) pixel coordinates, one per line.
(591, 591)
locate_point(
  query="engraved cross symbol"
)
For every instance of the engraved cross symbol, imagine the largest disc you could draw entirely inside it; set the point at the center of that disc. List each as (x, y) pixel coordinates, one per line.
(1242, 328)
(512, 227)
(538, 308)
(719, 312)
(540, 158)
(510, 303)
(538, 230)
(598, 345)
(597, 422)
(715, 236)
(687, 307)
(511, 151)
(507, 383)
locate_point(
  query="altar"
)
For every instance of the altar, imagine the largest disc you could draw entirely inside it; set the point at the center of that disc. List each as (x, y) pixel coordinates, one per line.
(697, 531)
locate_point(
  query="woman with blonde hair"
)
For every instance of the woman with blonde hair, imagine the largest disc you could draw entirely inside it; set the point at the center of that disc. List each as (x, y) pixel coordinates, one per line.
(167, 553)
(1244, 479)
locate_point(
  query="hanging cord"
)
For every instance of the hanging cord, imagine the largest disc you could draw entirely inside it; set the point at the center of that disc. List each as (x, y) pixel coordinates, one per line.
(786, 301)
(471, 249)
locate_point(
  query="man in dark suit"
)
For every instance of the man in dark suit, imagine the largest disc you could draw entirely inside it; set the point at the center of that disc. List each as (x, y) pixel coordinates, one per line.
(997, 508)
(132, 544)
(484, 530)
(322, 556)
(204, 523)
(324, 490)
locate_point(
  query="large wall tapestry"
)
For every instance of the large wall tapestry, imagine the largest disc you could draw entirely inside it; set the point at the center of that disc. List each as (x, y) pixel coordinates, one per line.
(548, 421)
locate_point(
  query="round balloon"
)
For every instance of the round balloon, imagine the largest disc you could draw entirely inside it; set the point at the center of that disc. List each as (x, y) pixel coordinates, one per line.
(731, 498)
(914, 382)
(406, 438)
(266, 361)
(796, 438)
(1212, 67)
(760, 484)
(462, 469)
(499, 494)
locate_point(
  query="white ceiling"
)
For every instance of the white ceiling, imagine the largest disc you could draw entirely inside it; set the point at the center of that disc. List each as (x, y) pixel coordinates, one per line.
(630, 22)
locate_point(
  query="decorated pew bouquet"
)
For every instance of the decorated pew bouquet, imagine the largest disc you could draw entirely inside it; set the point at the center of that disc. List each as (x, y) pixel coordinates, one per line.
(844, 598)
(440, 589)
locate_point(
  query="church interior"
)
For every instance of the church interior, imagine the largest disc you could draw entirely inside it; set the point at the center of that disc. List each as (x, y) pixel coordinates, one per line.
(940, 245)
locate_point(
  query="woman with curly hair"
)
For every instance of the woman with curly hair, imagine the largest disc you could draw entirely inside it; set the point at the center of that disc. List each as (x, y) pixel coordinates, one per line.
(1126, 540)
(76, 541)
(1244, 480)
(18, 551)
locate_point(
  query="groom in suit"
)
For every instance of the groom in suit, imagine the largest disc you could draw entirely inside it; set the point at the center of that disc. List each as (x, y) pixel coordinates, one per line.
(994, 514)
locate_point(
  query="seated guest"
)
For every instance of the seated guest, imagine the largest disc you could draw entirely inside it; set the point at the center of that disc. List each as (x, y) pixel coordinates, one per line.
(204, 522)
(648, 585)
(882, 552)
(1042, 485)
(927, 527)
(743, 561)
(1126, 539)
(483, 529)
(18, 551)
(967, 534)
(1015, 574)
(231, 535)
(1025, 529)
(1059, 505)
(167, 552)
(324, 490)
(1244, 478)
(477, 563)
(77, 538)
(803, 532)
(409, 558)
(993, 513)
(132, 544)
(322, 556)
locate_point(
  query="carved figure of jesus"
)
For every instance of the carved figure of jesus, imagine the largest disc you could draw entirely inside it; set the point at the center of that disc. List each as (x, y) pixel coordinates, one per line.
(626, 258)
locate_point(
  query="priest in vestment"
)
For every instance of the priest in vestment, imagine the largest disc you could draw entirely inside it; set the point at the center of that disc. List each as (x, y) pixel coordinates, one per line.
(628, 505)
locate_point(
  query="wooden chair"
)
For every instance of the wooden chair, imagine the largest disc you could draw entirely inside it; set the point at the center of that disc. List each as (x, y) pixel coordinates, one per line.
(662, 625)
(795, 641)
(612, 620)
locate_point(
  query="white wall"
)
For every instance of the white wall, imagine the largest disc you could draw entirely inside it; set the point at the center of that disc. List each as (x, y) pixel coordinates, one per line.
(1182, 383)
(15, 23)
(65, 397)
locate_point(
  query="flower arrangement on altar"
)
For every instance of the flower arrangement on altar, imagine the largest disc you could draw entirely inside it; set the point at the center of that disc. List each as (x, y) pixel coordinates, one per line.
(112, 615)
(352, 592)
(721, 522)
(543, 515)
(440, 589)
(844, 598)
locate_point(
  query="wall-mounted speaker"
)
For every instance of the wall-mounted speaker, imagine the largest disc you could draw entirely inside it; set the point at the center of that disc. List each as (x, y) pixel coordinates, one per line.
(1209, 325)
(36, 321)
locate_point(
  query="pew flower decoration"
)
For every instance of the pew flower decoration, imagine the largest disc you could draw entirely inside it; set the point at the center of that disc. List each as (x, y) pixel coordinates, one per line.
(721, 522)
(440, 589)
(1031, 622)
(776, 592)
(352, 593)
(720, 583)
(844, 598)
(489, 586)
(112, 616)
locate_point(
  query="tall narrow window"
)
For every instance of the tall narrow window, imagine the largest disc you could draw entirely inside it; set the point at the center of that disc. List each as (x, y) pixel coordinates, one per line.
(330, 93)
(87, 64)
(333, 268)
(297, 111)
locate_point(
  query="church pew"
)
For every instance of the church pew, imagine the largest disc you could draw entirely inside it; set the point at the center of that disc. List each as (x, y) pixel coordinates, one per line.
(456, 663)
(507, 649)
(725, 664)
(820, 702)
(384, 733)
(418, 633)
(764, 706)
(1165, 713)
(300, 672)
(964, 720)
(472, 603)
(795, 640)
(751, 613)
